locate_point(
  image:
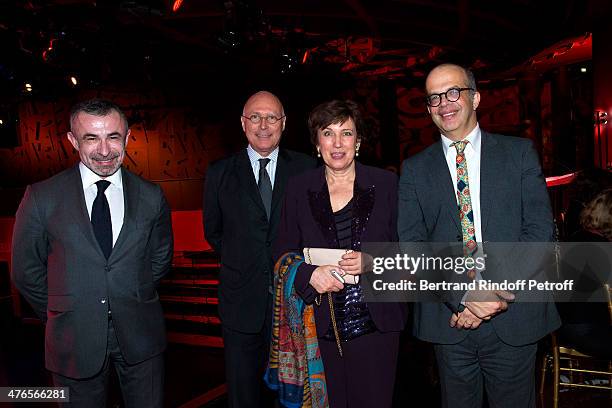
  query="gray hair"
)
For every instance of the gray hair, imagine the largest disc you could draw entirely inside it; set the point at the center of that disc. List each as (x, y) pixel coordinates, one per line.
(96, 107)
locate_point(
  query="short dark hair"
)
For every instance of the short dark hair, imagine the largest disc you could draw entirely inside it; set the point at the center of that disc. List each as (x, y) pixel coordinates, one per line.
(336, 111)
(96, 107)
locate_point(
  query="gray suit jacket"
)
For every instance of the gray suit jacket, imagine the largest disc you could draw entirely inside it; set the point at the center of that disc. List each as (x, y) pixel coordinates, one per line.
(60, 269)
(515, 207)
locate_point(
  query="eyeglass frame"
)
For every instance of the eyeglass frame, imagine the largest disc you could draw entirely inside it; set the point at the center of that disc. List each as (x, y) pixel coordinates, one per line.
(266, 118)
(439, 95)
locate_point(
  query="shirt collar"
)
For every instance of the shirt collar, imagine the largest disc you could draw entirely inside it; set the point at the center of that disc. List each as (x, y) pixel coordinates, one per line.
(473, 137)
(90, 178)
(254, 156)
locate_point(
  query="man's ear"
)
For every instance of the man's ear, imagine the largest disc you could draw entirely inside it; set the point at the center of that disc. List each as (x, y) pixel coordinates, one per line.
(428, 109)
(242, 124)
(476, 100)
(127, 137)
(73, 141)
(284, 120)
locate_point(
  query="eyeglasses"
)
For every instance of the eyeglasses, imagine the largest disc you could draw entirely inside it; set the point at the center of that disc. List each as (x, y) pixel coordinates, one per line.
(256, 118)
(452, 95)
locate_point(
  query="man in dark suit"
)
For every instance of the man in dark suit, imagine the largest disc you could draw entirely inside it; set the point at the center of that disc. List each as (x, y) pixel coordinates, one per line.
(90, 246)
(499, 196)
(242, 203)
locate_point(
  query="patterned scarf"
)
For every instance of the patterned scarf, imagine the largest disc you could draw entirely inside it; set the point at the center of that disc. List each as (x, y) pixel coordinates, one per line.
(295, 368)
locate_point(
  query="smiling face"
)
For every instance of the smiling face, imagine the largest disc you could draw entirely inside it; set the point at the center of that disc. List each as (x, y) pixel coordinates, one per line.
(455, 120)
(100, 141)
(263, 136)
(337, 144)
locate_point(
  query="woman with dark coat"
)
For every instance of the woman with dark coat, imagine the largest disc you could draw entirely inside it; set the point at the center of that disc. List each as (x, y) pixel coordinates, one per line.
(343, 204)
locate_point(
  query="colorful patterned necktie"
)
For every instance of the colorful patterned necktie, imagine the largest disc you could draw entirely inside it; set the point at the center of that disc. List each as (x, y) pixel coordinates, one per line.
(464, 201)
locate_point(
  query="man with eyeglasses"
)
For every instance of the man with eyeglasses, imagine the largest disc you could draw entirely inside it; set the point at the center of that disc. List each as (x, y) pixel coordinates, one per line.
(474, 187)
(242, 203)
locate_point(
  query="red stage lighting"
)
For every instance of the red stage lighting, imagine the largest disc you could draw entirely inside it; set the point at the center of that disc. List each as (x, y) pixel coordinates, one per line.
(176, 5)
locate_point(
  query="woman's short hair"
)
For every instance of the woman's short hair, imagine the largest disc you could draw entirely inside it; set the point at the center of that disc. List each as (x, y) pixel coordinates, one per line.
(597, 214)
(332, 112)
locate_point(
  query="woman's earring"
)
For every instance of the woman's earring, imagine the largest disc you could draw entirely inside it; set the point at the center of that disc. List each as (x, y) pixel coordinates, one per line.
(318, 153)
(357, 150)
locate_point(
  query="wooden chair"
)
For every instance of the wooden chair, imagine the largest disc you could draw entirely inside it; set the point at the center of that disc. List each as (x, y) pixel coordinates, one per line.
(569, 361)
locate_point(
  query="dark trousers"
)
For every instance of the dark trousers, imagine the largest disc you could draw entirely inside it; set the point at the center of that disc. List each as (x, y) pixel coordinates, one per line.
(142, 384)
(482, 359)
(365, 374)
(246, 356)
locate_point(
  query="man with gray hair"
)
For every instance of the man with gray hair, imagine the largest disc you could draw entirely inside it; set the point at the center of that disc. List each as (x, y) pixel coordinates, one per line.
(90, 246)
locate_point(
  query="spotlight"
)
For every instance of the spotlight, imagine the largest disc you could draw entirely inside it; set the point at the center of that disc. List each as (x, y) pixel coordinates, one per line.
(176, 5)
(28, 87)
(601, 118)
(583, 69)
(288, 62)
(230, 39)
(1, 122)
(74, 80)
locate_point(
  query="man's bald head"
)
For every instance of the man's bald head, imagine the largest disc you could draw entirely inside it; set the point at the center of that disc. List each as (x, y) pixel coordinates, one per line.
(263, 136)
(263, 97)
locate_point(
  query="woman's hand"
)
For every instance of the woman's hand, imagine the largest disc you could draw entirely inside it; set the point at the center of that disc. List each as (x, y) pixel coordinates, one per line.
(324, 281)
(351, 262)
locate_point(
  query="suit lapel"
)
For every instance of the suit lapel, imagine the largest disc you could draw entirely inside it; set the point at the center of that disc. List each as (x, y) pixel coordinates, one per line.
(73, 192)
(280, 180)
(131, 192)
(363, 204)
(320, 208)
(490, 158)
(443, 183)
(247, 179)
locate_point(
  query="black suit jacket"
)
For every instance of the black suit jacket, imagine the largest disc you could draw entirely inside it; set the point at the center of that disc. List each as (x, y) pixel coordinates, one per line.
(60, 269)
(515, 207)
(307, 220)
(237, 227)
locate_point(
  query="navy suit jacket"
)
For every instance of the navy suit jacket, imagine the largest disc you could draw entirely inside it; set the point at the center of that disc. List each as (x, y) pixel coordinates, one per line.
(307, 220)
(237, 227)
(515, 207)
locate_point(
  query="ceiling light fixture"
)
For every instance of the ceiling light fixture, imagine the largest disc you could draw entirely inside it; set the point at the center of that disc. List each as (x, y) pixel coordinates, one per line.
(176, 5)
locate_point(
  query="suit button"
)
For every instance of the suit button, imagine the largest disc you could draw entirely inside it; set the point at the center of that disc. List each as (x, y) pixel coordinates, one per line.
(459, 238)
(107, 268)
(268, 243)
(103, 300)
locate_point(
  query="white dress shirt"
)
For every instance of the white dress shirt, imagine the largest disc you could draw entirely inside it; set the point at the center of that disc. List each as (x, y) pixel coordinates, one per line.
(270, 168)
(114, 196)
(472, 156)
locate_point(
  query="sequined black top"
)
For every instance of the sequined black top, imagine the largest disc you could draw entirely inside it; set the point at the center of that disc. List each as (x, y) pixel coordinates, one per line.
(351, 311)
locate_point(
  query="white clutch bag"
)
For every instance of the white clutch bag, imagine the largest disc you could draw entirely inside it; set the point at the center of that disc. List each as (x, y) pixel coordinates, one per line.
(329, 256)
